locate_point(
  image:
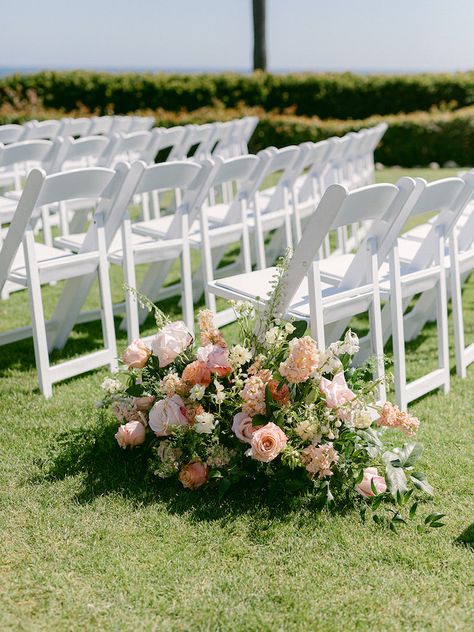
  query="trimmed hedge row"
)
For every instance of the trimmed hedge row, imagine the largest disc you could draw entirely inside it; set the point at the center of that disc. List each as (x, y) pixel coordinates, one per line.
(411, 140)
(330, 95)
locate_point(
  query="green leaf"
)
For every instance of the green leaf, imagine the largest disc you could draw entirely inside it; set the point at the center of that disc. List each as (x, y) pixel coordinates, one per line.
(376, 502)
(413, 509)
(300, 329)
(373, 488)
(223, 487)
(259, 420)
(135, 390)
(419, 481)
(396, 479)
(377, 519)
(363, 511)
(434, 517)
(409, 454)
(393, 528)
(436, 525)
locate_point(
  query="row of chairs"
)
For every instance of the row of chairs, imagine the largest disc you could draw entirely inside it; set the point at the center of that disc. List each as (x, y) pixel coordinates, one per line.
(213, 204)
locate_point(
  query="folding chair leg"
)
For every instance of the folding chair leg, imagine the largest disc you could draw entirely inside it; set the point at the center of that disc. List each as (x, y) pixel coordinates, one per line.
(106, 308)
(456, 297)
(131, 305)
(375, 319)
(40, 340)
(442, 318)
(187, 290)
(398, 339)
(316, 305)
(45, 220)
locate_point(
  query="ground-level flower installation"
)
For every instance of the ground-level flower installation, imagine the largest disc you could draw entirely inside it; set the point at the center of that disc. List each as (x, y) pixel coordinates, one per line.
(273, 406)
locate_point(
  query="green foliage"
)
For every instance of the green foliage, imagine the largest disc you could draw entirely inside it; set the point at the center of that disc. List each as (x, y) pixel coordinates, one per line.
(328, 95)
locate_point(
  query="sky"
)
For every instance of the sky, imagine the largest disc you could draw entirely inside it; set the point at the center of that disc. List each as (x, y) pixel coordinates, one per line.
(319, 35)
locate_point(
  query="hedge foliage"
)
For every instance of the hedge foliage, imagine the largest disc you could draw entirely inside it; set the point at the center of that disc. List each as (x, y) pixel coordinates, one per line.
(411, 140)
(341, 96)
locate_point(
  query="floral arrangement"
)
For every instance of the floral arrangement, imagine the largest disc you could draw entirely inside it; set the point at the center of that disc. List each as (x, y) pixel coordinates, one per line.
(274, 406)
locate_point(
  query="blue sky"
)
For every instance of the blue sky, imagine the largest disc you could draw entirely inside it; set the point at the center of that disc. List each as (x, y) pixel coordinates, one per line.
(405, 35)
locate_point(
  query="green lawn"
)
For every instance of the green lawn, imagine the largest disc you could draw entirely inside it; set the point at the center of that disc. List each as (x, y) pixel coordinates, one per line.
(89, 543)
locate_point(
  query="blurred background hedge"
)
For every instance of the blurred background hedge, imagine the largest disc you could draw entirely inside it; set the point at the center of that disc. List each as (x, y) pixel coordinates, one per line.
(430, 116)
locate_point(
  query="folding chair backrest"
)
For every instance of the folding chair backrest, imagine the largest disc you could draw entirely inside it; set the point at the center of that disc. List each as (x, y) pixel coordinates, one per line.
(141, 123)
(26, 151)
(338, 207)
(40, 129)
(195, 135)
(41, 190)
(450, 195)
(88, 148)
(188, 178)
(10, 133)
(100, 125)
(74, 127)
(162, 138)
(121, 124)
(126, 146)
(223, 147)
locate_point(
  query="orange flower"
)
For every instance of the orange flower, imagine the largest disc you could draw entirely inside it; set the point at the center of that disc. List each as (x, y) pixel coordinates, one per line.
(280, 395)
(197, 373)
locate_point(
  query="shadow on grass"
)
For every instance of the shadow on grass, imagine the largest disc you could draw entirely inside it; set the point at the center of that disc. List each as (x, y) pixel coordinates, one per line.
(92, 454)
(466, 538)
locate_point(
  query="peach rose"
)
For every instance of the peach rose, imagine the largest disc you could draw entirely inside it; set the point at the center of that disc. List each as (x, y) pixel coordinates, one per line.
(196, 373)
(242, 427)
(216, 358)
(267, 443)
(143, 403)
(193, 475)
(170, 342)
(136, 354)
(336, 392)
(279, 395)
(364, 487)
(167, 412)
(131, 434)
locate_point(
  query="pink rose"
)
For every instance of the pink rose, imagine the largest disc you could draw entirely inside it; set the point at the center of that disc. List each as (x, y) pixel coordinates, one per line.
(130, 434)
(364, 487)
(170, 342)
(336, 392)
(267, 442)
(242, 427)
(216, 358)
(143, 403)
(136, 355)
(170, 411)
(194, 474)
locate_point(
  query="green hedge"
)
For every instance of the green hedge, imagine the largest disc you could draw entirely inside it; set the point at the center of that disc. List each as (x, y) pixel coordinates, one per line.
(411, 140)
(341, 96)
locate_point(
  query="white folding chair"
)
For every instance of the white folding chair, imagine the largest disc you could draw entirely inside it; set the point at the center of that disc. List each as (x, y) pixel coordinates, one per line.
(74, 127)
(31, 264)
(34, 130)
(303, 294)
(10, 133)
(100, 125)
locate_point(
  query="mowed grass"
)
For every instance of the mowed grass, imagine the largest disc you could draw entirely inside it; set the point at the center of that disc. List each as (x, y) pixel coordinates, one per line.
(90, 543)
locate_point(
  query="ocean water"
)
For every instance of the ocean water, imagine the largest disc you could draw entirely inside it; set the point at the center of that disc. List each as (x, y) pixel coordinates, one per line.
(9, 70)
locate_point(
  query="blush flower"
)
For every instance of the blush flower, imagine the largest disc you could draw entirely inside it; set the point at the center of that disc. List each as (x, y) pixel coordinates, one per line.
(167, 412)
(143, 403)
(208, 331)
(170, 342)
(194, 474)
(216, 358)
(365, 488)
(267, 443)
(136, 355)
(253, 396)
(319, 460)
(336, 391)
(392, 417)
(130, 434)
(242, 427)
(302, 360)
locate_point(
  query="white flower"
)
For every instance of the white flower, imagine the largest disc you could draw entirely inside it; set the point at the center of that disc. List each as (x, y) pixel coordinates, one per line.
(239, 355)
(305, 430)
(273, 336)
(110, 385)
(364, 417)
(335, 348)
(289, 328)
(351, 343)
(204, 423)
(219, 397)
(197, 392)
(329, 363)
